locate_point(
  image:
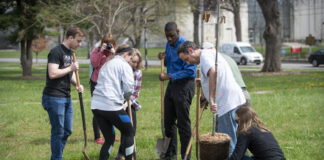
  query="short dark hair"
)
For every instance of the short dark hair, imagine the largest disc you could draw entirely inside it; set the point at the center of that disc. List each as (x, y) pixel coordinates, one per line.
(73, 31)
(183, 48)
(170, 26)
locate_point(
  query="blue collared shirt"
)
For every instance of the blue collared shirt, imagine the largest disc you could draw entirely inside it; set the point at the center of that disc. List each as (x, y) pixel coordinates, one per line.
(177, 68)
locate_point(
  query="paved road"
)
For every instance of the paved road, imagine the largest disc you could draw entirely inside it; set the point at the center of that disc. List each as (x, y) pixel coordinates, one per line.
(284, 66)
(157, 63)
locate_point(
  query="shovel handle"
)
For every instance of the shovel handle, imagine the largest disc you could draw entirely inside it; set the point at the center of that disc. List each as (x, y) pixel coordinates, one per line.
(131, 118)
(194, 133)
(162, 99)
(197, 115)
(86, 157)
(76, 72)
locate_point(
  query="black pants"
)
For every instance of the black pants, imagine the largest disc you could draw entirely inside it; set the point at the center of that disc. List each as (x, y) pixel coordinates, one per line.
(177, 103)
(96, 129)
(121, 147)
(107, 120)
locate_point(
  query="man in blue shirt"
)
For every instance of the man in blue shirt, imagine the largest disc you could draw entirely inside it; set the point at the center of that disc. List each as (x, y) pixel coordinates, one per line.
(179, 92)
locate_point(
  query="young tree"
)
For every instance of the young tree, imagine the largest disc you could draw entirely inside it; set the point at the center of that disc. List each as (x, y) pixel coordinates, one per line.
(19, 18)
(272, 35)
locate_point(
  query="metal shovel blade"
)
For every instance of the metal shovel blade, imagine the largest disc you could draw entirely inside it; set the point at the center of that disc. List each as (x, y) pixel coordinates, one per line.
(162, 145)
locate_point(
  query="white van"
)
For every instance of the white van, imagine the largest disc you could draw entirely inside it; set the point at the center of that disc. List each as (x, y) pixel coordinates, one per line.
(242, 53)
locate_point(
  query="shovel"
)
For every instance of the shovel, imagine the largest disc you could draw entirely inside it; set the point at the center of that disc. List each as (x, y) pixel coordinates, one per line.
(196, 128)
(86, 157)
(162, 144)
(131, 118)
(194, 134)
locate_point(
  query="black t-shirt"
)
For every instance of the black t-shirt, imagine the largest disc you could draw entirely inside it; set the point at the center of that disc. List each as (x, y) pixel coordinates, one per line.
(262, 145)
(59, 87)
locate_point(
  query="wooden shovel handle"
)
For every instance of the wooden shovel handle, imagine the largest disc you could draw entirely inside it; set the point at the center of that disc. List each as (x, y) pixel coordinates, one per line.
(162, 100)
(76, 72)
(162, 91)
(197, 115)
(194, 132)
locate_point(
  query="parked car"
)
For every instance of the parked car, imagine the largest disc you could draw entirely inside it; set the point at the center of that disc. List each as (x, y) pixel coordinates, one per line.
(316, 58)
(242, 53)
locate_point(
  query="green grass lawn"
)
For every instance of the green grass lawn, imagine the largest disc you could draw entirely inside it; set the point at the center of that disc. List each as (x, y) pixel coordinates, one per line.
(291, 106)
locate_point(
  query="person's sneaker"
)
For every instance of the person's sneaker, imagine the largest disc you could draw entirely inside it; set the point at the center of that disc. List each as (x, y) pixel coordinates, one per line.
(119, 157)
(116, 139)
(99, 141)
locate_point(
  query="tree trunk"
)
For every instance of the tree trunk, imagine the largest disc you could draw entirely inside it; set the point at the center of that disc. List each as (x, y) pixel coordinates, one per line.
(26, 57)
(137, 41)
(272, 35)
(237, 23)
(196, 26)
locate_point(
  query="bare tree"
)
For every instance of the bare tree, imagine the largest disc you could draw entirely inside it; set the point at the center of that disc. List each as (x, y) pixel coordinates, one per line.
(194, 5)
(272, 35)
(234, 6)
(142, 16)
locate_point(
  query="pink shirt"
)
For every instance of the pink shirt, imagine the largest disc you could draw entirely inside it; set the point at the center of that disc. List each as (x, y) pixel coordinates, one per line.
(98, 59)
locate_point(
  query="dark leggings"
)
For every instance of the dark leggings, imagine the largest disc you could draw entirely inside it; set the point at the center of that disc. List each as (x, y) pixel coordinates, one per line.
(121, 147)
(96, 129)
(107, 120)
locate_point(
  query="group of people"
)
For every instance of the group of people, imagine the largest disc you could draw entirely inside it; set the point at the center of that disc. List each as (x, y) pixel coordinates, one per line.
(116, 80)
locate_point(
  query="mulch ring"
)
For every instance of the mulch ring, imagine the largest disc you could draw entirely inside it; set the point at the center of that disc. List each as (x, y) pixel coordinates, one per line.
(272, 73)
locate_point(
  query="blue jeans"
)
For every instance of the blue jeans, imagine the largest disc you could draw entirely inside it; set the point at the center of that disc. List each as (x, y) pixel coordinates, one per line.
(60, 112)
(227, 124)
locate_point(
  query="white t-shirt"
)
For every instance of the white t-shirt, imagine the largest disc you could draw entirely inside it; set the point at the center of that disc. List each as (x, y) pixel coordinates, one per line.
(115, 79)
(229, 93)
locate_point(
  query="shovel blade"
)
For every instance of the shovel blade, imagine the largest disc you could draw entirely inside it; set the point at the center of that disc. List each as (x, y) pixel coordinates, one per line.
(162, 146)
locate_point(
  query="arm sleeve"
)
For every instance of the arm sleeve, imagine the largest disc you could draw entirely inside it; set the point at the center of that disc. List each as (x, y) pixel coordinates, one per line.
(206, 63)
(53, 57)
(127, 82)
(137, 86)
(96, 58)
(241, 146)
(186, 72)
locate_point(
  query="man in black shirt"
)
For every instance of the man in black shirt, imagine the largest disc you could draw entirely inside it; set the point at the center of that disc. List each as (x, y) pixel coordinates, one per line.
(56, 95)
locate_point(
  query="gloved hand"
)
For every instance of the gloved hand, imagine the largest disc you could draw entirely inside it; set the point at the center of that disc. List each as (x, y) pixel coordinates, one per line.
(203, 102)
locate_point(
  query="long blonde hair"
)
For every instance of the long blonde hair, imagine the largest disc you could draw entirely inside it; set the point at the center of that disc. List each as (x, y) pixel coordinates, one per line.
(138, 53)
(248, 118)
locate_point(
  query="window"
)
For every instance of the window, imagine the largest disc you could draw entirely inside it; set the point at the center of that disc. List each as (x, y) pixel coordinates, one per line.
(247, 49)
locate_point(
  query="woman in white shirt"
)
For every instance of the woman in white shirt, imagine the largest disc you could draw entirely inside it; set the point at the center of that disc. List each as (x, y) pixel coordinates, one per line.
(114, 86)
